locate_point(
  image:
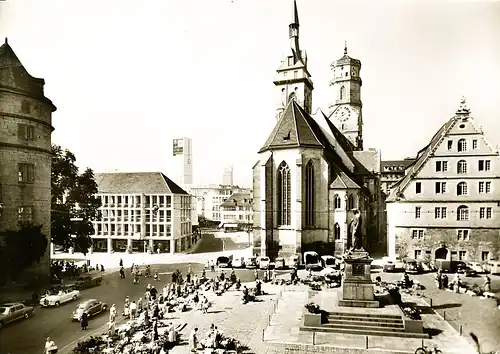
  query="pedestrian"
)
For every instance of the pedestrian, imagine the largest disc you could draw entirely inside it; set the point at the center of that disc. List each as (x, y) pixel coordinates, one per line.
(121, 262)
(111, 328)
(487, 284)
(84, 321)
(133, 310)
(212, 265)
(122, 273)
(50, 346)
(193, 339)
(153, 292)
(155, 331)
(112, 313)
(172, 335)
(174, 277)
(102, 268)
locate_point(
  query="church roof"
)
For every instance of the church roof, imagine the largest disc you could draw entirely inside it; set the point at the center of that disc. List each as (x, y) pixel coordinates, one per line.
(136, 182)
(14, 76)
(295, 128)
(343, 181)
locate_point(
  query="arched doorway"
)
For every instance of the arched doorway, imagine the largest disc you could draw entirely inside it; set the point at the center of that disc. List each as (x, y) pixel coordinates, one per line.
(441, 253)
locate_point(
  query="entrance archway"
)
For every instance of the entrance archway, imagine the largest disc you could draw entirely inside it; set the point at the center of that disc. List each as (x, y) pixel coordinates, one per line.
(441, 253)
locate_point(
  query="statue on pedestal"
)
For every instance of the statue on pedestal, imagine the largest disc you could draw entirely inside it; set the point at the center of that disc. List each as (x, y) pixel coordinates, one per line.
(355, 231)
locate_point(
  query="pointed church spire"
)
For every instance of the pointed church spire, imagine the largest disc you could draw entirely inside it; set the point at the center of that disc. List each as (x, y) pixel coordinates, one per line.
(294, 34)
(345, 48)
(6, 40)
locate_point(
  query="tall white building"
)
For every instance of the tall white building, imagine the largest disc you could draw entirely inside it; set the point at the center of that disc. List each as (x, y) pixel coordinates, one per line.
(183, 160)
(227, 177)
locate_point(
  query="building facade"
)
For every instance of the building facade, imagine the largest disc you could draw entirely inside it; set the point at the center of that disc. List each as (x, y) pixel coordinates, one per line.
(238, 209)
(25, 149)
(312, 177)
(209, 198)
(227, 177)
(142, 212)
(182, 150)
(393, 171)
(448, 204)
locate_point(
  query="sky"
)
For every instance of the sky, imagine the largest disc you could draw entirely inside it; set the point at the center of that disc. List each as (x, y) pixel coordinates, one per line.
(128, 78)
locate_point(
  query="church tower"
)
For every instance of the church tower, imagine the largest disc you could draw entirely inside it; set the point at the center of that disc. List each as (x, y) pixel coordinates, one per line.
(293, 80)
(346, 110)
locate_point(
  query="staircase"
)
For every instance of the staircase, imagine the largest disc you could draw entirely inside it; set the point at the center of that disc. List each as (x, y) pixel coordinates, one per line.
(353, 321)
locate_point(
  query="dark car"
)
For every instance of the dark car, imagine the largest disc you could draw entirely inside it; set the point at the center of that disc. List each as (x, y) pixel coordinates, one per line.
(88, 281)
(458, 267)
(14, 311)
(470, 273)
(91, 307)
(224, 262)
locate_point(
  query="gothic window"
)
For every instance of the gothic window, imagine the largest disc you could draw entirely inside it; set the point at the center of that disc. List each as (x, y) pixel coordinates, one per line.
(462, 167)
(337, 201)
(350, 202)
(336, 229)
(292, 96)
(462, 188)
(462, 213)
(309, 194)
(284, 195)
(342, 92)
(462, 145)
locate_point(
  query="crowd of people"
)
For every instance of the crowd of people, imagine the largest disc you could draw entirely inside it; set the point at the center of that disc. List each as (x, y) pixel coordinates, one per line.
(70, 270)
(458, 286)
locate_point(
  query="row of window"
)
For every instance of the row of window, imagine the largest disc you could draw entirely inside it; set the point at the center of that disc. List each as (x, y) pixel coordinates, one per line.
(483, 187)
(482, 166)
(463, 213)
(462, 255)
(462, 145)
(419, 234)
(157, 230)
(125, 200)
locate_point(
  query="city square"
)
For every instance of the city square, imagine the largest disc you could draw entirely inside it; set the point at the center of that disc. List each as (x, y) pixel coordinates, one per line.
(363, 221)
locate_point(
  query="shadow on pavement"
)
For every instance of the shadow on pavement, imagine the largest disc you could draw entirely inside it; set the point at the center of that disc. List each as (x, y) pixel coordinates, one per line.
(446, 306)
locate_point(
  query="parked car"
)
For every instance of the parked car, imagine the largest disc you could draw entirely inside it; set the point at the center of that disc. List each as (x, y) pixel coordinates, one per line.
(263, 262)
(413, 267)
(312, 261)
(58, 297)
(478, 267)
(91, 307)
(279, 263)
(238, 262)
(88, 281)
(494, 267)
(328, 261)
(469, 272)
(223, 262)
(458, 267)
(251, 262)
(389, 266)
(14, 311)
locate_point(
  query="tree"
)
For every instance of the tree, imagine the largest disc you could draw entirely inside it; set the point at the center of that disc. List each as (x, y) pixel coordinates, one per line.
(74, 202)
(21, 248)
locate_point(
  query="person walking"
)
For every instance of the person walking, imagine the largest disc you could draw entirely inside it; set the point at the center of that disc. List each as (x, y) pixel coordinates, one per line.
(193, 339)
(50, 346)
(487, 284)
(122, 273)
(112, 313)
(133, 310)
(84, 321)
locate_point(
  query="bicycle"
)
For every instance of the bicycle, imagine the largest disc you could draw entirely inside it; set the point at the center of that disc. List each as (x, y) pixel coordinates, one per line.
(425, 350)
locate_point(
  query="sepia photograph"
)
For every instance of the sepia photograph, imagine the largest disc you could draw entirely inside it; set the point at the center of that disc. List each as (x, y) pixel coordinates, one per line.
(249, 177)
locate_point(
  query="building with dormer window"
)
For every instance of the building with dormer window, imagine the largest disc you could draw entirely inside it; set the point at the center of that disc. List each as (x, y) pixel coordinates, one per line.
(312, 174)
(448, 204)
(237, 209)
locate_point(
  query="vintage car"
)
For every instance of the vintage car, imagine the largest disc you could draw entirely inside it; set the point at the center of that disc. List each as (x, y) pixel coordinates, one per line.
(279, 263)
(238, 262)
(328, 261)
(14, 311)
(91, 307)
(58, 297)
(263, 262)
(88, 281)
(251, 262)
(224, 262)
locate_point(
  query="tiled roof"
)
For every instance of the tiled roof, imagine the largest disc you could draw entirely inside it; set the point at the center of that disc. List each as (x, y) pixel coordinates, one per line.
(343, 181)
(421, 159)
(295, 128)
(13, 75)
(242, 199)
(136, 182)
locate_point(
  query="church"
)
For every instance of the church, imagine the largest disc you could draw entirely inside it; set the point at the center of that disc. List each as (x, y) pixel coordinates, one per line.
(313, 180)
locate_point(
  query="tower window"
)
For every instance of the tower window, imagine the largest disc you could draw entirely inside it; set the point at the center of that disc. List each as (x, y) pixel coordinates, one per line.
(295, 74)
(284, 195)
(337, 202)
(347, 74)
(342, 92)
(309, 194)
(337, 231)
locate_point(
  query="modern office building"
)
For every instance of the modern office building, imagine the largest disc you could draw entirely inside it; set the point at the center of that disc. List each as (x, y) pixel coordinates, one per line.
(25, 149)
(227, 177)
(183, 161)
(140, 212)
(447, 206)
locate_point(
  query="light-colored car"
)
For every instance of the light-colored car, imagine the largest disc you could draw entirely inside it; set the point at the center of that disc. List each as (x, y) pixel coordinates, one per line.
(251, 262)
(294, 261)
(238, 262)
(477, 267)
(14, 311)
(58, 297)
(279, 263)
(263, 262)
(91, 307)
